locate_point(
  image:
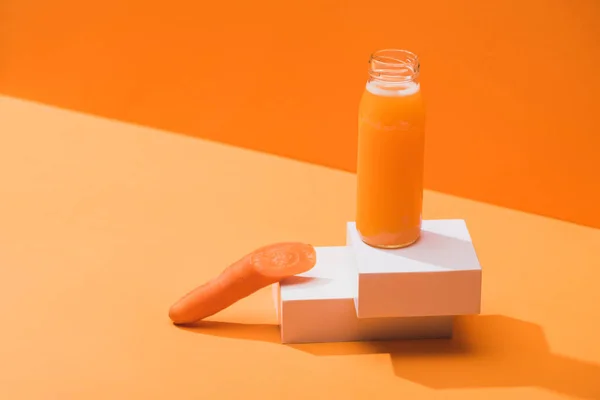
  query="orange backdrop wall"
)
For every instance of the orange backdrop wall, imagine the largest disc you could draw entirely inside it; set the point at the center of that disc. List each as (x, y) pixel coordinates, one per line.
(512, 86)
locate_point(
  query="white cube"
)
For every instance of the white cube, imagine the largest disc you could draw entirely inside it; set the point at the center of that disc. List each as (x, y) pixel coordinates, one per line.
(438, 275)
(318, 306)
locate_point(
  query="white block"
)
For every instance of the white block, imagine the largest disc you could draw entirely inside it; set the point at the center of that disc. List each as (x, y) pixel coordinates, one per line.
(438, 275)
(318, 306)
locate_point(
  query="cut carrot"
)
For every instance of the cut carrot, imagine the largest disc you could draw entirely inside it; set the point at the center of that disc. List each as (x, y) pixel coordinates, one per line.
(256, 270)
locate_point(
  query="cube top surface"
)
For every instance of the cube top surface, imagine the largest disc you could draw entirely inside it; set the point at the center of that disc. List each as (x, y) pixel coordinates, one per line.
(445, 245)
(332, 277)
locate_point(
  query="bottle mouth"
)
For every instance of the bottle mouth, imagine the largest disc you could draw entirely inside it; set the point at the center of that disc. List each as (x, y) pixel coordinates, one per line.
(391, 65)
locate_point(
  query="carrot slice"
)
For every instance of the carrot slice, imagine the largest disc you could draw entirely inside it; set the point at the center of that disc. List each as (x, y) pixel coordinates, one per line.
(254, 271)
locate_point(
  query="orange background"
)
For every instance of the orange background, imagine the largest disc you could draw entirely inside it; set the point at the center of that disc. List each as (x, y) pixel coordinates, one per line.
(512, 86)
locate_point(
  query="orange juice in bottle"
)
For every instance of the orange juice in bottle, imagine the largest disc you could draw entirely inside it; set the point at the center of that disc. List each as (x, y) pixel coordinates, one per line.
(391, 151)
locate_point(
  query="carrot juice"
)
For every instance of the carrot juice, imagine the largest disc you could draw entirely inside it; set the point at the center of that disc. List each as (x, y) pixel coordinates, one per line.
(391, 152)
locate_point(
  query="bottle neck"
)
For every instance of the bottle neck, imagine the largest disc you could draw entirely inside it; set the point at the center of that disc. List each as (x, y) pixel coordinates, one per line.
(394, 69)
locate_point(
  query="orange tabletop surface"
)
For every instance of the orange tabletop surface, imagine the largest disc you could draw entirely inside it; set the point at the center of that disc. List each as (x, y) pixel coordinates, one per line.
(103, 225)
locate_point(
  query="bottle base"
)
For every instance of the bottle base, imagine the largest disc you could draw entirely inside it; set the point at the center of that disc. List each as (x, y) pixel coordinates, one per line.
(388, 243)
(392, 246)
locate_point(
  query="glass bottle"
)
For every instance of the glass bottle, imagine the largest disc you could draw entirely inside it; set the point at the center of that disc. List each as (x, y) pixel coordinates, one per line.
(391, 145)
